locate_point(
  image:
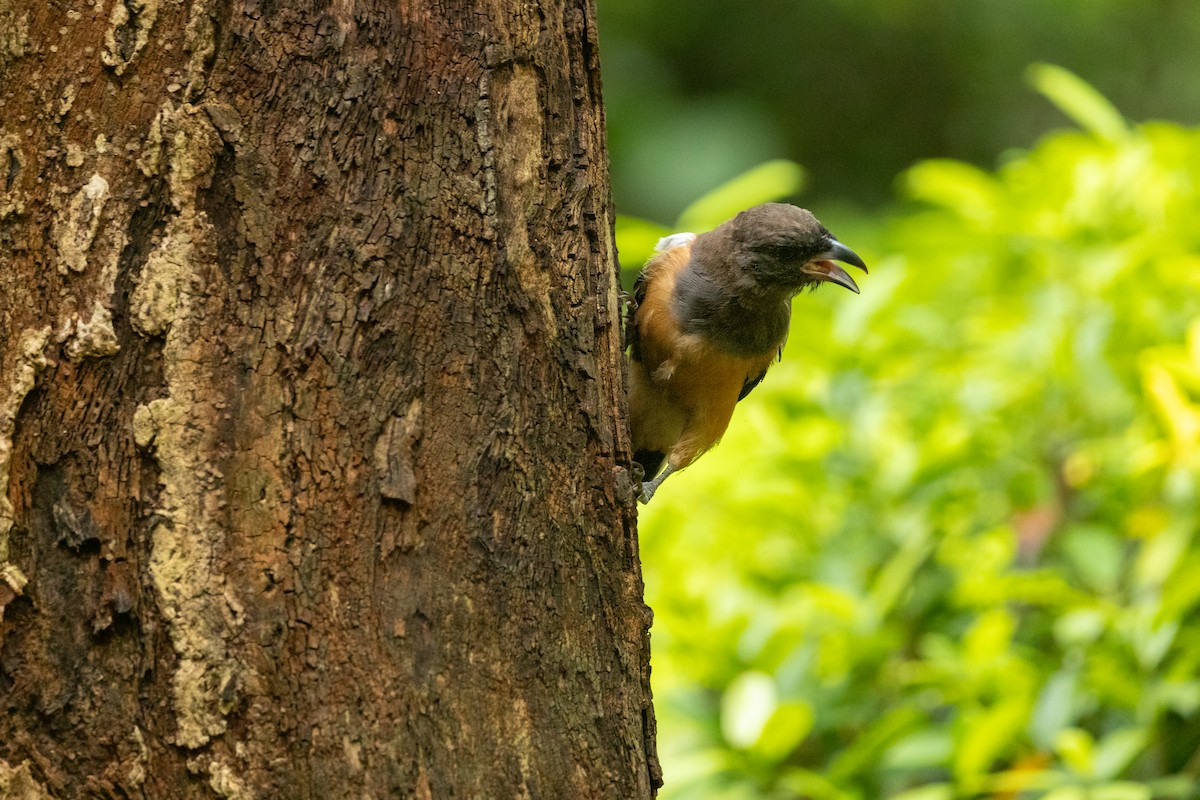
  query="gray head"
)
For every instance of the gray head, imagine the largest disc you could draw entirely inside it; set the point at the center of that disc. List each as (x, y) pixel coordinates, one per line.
(738, 286)
(779, 247)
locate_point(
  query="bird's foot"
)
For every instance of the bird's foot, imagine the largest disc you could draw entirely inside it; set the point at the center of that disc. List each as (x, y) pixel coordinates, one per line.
(650, 487)
(637, 474)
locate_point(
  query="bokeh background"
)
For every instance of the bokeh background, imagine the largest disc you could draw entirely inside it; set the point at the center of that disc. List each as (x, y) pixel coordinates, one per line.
(949, 548)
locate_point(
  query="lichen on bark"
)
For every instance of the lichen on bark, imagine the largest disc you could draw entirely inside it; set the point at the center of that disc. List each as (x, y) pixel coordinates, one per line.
(76, 228)
(187, 541)
(128, 32)
(30, 360)
(18, 783)
(14, 33)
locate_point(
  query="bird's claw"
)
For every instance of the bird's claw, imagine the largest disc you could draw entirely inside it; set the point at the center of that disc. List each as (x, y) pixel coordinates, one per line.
(650, 487)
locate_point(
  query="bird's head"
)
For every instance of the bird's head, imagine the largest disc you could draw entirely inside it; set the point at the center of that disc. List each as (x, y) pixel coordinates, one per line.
(782, 247)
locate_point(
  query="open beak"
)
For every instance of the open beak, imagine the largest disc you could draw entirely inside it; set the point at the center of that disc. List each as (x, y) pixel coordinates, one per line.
(822, 267)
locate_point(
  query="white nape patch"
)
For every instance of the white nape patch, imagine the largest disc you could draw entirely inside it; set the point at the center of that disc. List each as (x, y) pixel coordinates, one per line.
(674, 240)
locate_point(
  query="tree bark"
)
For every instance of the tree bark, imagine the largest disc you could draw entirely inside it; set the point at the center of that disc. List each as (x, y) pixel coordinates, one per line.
(312, 445)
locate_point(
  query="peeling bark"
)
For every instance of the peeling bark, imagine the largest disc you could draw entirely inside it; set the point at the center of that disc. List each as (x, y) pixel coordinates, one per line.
(312, 455)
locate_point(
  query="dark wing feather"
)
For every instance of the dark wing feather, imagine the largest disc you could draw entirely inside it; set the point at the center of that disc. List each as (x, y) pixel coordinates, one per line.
(750, 383)
(632, 302)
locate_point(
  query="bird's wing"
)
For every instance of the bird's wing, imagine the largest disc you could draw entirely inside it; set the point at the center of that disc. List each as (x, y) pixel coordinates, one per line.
(750, 383)
(632, 337)
(632, 342)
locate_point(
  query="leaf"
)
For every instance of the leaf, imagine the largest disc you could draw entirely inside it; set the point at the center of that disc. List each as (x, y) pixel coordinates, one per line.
(1177, 410)
(747, 705)
(1117, 750)
(1056, 707)
(987, 736)
(1177, 787)
(1076, 748)
(989, 638)
(933, 791)
(897, 575)
(866, 749)
(1097, 555)
(1079, 627)
(785, 730)
(809, 784)
(955, 185)
(929, 747)
(1066, 793)
(770, 181)
(1079, 100)
(1123, 790)
(1161, 555)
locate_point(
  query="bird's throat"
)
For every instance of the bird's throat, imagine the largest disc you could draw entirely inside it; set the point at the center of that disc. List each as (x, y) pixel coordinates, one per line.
(737, 327)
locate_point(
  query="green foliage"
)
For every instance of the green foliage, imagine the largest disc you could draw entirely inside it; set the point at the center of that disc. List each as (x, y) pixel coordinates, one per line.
(770, 181)
(697, 91)
(949, 548)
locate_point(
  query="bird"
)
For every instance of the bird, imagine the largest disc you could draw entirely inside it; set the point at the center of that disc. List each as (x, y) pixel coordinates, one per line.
(708, 316)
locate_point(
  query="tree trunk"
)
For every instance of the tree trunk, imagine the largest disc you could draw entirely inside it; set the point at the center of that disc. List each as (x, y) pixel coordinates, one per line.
(312, 451)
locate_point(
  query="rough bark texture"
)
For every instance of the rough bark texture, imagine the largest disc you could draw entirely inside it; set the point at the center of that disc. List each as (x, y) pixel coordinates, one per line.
(311, 445)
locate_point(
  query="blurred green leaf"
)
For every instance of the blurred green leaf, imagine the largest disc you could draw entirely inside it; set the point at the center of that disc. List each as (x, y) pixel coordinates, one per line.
(1079, 627)
(1161, 555)
(1057, 707)
(746, 707)
(1123, 790)
(1115, 752)
(1180, 787)
(987, 735)
(1078, 100)
(1066, 793)
(921, 749)
(1077, 750)
(959, 187)
(809, 784)
(785, 730)
(1097, 554)
(937, 791)
(770, 181)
